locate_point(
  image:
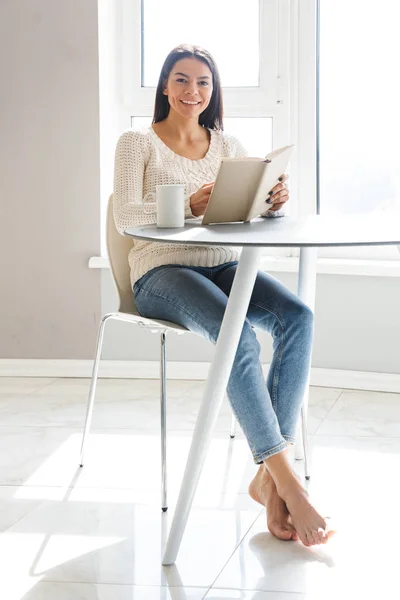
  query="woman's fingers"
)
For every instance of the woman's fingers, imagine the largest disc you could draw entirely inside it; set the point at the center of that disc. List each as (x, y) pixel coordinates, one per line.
(277, 206)
(281, 185)
(279, 196)
(278, 188)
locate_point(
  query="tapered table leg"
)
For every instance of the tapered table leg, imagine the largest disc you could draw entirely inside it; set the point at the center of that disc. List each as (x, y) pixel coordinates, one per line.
(217, 382)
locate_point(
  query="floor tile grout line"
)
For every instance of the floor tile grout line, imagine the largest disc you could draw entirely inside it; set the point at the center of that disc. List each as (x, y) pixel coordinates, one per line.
(133, 585)
(40, 502)
(245, 589)
(329, 411)
(236, 547)
(42, 387)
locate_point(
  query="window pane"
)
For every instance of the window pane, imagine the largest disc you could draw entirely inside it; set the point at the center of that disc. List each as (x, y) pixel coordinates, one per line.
(360, 99)
(254, 133)
(229, 29)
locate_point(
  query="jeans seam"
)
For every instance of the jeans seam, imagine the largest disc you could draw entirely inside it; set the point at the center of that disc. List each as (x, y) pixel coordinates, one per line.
(181, 308)
(278, 362)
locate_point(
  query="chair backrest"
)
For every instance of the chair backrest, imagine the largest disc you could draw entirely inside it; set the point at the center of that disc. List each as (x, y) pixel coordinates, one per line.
(118, 247)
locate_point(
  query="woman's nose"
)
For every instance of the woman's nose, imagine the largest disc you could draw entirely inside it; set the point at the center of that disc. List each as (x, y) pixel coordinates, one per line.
(191, 88)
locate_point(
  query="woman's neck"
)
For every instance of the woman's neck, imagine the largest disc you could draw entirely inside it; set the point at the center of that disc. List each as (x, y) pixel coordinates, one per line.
(182, 130)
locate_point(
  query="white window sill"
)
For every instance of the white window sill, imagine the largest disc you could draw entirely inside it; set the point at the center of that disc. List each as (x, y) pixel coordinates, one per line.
(325, 266)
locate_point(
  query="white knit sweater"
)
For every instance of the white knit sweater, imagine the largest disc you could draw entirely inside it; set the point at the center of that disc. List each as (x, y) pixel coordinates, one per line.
(142, 161)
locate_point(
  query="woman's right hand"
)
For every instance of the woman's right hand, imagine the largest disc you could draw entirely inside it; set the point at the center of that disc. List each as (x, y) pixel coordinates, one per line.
(199, 200)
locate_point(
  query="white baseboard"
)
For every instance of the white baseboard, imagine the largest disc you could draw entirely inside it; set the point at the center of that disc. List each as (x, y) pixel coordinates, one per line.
(359, 380)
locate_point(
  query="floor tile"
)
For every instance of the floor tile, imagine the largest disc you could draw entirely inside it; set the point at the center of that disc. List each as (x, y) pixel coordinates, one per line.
(11, 510)
(40, 590)
(49, 456)
(361, 413)
(74, 540)
(22, 386)
(98, 532)
(347, 483)
(128, 404)
(320, 402)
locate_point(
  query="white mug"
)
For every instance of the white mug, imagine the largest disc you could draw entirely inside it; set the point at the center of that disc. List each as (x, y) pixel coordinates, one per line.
(170, 205)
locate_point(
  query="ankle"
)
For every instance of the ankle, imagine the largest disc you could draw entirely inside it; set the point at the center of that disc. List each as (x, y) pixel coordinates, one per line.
(289, 487)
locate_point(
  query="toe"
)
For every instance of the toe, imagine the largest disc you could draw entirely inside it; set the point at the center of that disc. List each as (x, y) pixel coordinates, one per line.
(311, 540)
(304, 538)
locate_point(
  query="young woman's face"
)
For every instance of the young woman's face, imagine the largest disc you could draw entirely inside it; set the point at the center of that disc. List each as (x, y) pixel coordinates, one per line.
(189, 87)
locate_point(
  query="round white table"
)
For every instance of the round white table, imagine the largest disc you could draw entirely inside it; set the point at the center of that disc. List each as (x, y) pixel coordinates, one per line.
(308, 233)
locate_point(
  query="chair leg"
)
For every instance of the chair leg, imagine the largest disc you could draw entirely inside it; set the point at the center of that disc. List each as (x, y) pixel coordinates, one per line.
(164, 504)
(305, 440)
(233, 426)
(93, 383)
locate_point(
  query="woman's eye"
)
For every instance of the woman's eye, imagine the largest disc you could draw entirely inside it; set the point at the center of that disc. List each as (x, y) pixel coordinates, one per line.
(204, 82)
(179, 80)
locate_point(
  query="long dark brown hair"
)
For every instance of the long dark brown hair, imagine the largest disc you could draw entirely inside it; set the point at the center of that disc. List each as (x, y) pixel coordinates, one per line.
(212, 116)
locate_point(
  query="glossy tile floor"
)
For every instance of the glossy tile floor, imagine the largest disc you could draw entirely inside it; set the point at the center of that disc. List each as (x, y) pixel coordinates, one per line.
(98, 532)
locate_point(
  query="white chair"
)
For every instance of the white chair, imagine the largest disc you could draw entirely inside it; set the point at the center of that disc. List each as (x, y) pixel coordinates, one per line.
(118, 248)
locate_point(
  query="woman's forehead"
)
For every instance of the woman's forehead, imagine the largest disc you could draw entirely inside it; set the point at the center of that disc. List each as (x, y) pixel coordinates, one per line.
(191, 66)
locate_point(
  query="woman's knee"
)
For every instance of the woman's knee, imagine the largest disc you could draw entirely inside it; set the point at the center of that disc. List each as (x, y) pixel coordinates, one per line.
(300, 315)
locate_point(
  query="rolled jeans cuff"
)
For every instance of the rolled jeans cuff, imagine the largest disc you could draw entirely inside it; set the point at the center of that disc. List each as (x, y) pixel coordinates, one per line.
(268, 453)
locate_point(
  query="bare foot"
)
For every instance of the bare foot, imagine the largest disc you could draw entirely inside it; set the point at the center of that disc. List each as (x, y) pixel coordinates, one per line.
(263, 490)
(309, 524)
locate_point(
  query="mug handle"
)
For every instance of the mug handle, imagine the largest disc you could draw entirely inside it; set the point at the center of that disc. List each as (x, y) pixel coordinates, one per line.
(149, 202)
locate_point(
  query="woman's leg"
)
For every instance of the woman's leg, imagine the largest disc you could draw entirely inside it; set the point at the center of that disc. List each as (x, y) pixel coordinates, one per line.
(187, 296)
(275, 309)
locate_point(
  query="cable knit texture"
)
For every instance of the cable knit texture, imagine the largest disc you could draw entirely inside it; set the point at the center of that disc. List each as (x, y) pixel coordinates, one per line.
(142, 161)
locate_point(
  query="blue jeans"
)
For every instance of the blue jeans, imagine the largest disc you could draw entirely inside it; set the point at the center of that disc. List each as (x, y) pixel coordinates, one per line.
(196, 298)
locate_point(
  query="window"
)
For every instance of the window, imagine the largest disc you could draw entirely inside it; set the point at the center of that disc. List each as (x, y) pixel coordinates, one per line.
(359, 111)
(248, 40)
(164, 24)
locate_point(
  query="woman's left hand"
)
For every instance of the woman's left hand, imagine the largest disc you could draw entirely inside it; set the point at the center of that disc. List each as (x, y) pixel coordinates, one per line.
(279, 194)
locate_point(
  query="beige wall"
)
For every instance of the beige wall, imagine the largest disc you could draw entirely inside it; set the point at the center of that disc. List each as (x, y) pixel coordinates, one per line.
(49, 178)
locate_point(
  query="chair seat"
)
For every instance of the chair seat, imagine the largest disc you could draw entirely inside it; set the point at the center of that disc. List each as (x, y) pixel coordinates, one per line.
(158, 324)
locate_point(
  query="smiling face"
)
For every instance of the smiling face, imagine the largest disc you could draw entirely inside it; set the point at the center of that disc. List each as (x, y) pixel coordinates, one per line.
(189, 87)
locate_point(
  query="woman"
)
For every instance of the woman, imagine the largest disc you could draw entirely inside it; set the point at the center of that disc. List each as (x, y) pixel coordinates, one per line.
(190, 285)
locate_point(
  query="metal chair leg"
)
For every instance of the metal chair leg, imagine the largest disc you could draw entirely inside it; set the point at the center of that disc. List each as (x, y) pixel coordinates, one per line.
(305, 440)
(93, 383)
(233, 426)
(164, 504)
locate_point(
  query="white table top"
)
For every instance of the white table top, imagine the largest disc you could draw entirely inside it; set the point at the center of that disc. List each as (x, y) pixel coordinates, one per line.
(314, 230)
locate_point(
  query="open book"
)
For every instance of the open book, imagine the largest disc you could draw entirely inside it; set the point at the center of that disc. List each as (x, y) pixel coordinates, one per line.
(242, 185)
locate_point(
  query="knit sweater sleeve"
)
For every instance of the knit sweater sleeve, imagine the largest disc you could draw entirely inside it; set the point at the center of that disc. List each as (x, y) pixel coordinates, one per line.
(131, 155)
